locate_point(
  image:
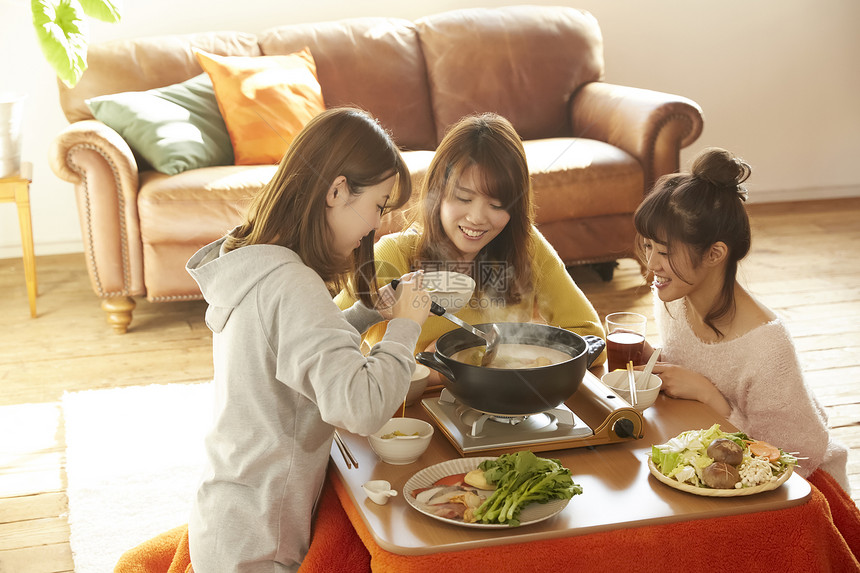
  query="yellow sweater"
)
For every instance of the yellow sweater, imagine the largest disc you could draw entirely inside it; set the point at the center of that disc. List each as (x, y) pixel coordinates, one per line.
(555, 299)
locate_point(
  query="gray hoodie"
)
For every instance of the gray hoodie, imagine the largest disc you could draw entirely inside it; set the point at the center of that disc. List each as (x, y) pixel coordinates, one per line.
(288, 370)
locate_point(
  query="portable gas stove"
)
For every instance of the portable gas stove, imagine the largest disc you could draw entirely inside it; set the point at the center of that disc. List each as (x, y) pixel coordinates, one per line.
(598, 416)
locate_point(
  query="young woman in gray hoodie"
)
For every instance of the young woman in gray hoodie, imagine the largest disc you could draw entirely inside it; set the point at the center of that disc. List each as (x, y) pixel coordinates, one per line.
(288, 369)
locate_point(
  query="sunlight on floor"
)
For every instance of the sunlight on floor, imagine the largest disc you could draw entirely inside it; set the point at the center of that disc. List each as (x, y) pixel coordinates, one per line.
(31, 449)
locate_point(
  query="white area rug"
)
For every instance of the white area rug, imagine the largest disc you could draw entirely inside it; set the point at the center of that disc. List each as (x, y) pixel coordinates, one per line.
(133, 459)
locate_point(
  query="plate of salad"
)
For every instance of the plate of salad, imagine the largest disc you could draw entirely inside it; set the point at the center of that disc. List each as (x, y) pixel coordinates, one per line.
(492, 493)
(715, 463)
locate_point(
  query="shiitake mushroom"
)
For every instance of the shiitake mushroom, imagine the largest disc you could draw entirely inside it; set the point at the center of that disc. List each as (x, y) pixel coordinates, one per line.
(725, 450)
(720, 475)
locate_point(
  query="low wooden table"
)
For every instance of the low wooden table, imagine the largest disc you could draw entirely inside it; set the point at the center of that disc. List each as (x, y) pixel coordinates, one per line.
(618, 489)
(17, 189)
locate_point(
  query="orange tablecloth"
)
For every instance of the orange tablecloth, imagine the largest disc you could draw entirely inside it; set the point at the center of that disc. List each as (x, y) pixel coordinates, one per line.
(820, 535)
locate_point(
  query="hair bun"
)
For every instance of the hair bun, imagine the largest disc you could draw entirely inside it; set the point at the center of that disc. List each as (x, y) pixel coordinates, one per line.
(722, 169)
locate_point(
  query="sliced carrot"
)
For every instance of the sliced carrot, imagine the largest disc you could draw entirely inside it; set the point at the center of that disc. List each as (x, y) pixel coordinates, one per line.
(764, 450)
(453, 479)
(450, 480)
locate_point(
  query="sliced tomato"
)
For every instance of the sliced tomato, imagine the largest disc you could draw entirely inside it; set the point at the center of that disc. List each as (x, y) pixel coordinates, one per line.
(452, 479)
(762, 449)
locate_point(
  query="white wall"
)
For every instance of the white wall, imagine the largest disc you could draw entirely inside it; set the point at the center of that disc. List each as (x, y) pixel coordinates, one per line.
(777, 79)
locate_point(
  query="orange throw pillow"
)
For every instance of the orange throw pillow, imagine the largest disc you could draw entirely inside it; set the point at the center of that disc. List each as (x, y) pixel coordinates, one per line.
(265, 101)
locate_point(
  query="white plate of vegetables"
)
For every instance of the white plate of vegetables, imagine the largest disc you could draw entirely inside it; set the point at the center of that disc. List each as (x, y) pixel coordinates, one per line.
(714, 463)
(492, 493)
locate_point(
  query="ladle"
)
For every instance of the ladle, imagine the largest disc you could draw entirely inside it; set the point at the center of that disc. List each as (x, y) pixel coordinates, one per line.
(492, 346)
(491, 338)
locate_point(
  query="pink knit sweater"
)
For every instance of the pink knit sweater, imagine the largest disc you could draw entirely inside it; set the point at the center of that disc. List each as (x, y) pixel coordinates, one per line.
(760, 377)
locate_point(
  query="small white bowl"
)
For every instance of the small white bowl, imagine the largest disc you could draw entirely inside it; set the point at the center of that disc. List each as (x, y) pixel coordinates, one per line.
(645, 396)
(401, 450)
(418, 384)
(448, 289)
(378, 490)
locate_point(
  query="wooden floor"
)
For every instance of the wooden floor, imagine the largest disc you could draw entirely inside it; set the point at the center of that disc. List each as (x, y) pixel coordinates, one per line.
(803, 265)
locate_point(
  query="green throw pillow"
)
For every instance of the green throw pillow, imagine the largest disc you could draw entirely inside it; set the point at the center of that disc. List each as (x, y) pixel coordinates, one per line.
(174, 128)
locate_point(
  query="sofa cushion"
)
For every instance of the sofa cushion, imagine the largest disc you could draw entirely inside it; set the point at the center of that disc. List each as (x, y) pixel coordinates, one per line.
(174, 128)
(215, 196)
(265, 101)
(181, 213)
(522, 62)
(373, 63)
(574, 178)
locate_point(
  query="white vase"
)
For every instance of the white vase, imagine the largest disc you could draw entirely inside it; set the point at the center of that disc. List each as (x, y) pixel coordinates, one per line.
(11, 116)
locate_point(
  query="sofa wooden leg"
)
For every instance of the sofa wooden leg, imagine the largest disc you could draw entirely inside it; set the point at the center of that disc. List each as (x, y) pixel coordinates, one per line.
(119, 309)
(605, 270)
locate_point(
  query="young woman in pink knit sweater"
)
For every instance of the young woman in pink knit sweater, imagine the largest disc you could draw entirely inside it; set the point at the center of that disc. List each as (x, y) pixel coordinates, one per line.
(720, 345)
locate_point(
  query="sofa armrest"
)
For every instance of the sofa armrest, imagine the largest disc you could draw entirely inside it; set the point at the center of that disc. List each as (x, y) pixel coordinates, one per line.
(98, 161)
(651, 126)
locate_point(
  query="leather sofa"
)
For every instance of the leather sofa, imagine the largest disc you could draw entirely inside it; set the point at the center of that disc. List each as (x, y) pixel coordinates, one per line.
(594, 148)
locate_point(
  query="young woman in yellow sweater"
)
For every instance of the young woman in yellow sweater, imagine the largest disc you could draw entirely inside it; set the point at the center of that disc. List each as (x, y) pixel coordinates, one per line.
(475, 216)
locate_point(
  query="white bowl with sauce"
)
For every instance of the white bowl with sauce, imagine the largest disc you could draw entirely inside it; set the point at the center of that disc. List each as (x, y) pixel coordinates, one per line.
(401, 441)
(448, 289)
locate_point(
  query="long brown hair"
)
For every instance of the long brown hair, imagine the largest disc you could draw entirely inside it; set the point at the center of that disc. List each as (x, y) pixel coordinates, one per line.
(489, 143)
(291, 209)
(695, 210)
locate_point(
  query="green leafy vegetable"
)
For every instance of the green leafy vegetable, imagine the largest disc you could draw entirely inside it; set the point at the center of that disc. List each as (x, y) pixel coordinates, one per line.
(522, 478)
(666, 461)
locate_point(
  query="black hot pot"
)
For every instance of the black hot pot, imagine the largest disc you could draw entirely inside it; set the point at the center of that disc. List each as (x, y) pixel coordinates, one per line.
(514, 391)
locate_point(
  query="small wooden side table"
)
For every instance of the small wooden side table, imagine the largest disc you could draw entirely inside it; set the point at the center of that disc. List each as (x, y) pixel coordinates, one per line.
(17, 188)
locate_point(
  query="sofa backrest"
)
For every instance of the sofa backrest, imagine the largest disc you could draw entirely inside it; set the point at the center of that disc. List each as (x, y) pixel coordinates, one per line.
(418, 78)
(146, 63)
(373, 63)
(522, 62)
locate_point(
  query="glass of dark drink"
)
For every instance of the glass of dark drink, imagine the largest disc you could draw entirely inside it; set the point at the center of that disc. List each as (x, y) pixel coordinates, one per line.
(625, 339)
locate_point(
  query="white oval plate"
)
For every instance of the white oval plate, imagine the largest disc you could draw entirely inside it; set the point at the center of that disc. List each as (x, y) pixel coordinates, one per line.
(708, 492)
(532, 513)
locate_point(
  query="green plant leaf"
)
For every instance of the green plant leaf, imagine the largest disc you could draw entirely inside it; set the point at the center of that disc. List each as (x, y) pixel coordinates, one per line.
(103, 10)
(62, 32)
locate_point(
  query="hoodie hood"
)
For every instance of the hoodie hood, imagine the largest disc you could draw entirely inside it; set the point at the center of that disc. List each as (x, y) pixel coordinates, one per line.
(226, 278)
